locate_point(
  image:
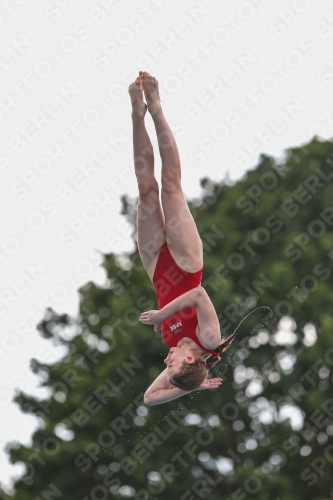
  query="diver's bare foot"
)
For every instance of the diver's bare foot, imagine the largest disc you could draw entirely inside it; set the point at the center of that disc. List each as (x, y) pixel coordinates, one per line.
(139, 107)
(150, 88)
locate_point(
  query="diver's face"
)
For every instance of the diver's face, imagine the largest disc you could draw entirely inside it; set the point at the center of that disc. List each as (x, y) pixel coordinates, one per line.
(176, 358)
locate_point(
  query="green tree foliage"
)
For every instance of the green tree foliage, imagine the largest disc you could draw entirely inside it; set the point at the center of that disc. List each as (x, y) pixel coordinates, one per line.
(267, 241)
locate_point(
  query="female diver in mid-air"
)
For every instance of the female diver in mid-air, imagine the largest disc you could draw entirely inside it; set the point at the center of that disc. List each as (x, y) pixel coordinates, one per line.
(172, 254)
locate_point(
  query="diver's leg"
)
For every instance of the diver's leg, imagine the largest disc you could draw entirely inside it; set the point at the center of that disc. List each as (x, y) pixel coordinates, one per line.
(150, 218)
(182, 236)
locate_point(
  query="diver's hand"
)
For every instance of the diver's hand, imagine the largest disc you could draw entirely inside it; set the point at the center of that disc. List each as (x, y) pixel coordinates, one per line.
(151, 318)
(210, 383)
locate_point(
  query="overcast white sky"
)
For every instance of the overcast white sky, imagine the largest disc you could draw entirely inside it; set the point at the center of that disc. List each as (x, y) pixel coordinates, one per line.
(237, 79)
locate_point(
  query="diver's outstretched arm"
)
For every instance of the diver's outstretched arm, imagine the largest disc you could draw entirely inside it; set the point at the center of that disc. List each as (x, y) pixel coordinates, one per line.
(159, 392)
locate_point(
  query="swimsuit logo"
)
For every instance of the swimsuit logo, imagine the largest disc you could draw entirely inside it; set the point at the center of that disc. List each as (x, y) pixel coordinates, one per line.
(176, 325)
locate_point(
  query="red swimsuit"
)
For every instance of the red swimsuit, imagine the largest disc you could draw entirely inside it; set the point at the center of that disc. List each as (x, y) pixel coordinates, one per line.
(170, 281)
